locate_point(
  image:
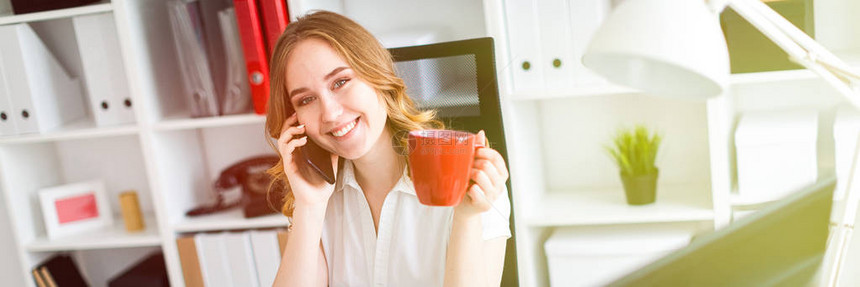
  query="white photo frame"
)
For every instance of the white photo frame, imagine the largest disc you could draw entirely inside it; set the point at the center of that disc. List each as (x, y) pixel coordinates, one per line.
(75, 208)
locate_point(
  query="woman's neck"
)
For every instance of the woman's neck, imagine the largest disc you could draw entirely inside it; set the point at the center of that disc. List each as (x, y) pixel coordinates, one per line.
(381, 168)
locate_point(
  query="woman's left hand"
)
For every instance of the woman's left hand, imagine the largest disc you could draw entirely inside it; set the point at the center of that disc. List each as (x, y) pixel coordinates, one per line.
(489, 175)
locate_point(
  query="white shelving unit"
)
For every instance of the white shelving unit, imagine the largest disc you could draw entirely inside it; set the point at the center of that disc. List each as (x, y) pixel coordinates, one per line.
(561, 177)
(555, 130)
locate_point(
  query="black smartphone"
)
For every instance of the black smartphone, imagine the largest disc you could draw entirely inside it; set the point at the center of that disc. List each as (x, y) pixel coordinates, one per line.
(319, 159)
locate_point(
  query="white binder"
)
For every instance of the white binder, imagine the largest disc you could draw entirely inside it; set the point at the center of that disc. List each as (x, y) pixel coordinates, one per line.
(212, 254)
(267, 255)
(557, 59)
(43, 95)
(7, 124)
(104, 71)
(524, 42)
(240, 256)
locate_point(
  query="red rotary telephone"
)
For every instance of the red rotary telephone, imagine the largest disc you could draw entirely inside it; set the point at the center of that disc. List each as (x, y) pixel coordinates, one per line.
(250, 175)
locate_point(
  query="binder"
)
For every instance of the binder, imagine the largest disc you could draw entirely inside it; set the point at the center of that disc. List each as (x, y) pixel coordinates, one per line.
(104, 72)
(267, 255)
(60, 270)
(189, 261)
(237, 93)
(190, 43)
(212, 29)
(254, 48)
(211, 251)
(275, 20)
(43, 95)
(240, 255)
(557, 59)
(7, 124)
(524, 42)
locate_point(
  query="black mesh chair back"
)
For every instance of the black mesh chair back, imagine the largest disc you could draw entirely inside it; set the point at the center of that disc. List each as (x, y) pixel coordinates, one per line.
(458, 80)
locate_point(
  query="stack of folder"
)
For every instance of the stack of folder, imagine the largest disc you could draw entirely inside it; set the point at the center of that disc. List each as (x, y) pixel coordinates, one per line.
(225, 77)
(38, 94)
(249, 258)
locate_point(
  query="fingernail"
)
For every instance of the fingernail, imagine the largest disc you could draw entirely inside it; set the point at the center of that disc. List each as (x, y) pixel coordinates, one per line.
(301, 126)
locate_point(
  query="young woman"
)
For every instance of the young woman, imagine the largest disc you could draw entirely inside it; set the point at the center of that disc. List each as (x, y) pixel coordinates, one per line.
(369, 228)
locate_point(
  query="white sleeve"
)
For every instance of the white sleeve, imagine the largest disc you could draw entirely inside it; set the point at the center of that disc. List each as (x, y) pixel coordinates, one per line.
(496, 224)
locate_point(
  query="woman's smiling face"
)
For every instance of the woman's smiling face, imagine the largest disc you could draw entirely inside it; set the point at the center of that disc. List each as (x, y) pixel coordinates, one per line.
(341, 112)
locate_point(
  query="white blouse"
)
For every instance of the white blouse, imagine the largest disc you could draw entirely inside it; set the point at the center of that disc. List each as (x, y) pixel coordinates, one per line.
(413, 238)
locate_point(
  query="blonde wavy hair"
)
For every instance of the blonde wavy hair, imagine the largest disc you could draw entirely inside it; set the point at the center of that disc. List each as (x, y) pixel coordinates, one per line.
(371, 62)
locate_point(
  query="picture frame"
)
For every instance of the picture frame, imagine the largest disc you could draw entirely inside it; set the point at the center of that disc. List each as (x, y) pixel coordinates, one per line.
(75, 208)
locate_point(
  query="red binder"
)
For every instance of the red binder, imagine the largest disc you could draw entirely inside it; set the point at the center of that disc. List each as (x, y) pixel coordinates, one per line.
(260, 23)
(275, 19)
(254, 48)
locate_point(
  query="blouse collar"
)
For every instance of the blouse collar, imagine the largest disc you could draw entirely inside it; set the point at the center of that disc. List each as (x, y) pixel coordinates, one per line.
(404, 184)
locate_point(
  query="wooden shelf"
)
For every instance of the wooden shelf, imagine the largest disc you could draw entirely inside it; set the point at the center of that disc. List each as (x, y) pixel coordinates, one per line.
(113, 237)
(183, 122)
(229, 220)
(79, 129)
(101, 7)
(682, 203)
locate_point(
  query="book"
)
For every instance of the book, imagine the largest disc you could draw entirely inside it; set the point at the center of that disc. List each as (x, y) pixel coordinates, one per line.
(61, 271)
(189, 261)
(38, 278)
(149, 272)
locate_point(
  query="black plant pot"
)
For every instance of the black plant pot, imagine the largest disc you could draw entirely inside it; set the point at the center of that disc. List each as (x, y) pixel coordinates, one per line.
(640, 189)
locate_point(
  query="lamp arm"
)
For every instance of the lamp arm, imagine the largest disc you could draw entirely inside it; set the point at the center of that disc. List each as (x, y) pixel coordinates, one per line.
(805, 51)
(800, 47)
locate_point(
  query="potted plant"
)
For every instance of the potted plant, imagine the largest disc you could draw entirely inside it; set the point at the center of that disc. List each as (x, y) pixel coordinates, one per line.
(634, 151)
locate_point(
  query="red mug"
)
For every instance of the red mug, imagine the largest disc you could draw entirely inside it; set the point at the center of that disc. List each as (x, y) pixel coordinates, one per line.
(440, 163)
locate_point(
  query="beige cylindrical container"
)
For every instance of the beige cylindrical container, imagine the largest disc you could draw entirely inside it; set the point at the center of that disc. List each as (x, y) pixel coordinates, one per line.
(131, 211)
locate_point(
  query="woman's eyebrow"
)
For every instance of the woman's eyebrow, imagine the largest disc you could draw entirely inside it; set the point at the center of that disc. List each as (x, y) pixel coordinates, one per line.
(330, 74)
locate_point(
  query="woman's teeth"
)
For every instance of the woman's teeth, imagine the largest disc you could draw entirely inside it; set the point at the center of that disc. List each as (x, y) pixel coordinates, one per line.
(344, 130)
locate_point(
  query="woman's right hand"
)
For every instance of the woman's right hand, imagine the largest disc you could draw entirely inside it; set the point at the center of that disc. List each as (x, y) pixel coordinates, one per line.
(309, 188)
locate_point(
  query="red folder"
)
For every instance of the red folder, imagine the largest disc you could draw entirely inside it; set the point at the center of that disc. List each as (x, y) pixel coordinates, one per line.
(275, 19)
(254, 48)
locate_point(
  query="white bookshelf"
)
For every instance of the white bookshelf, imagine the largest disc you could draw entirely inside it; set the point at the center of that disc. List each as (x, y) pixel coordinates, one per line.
(559, 174)
(561, 177)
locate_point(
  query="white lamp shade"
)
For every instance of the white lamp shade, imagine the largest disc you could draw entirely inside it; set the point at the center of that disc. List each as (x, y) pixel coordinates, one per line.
(671, 48)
